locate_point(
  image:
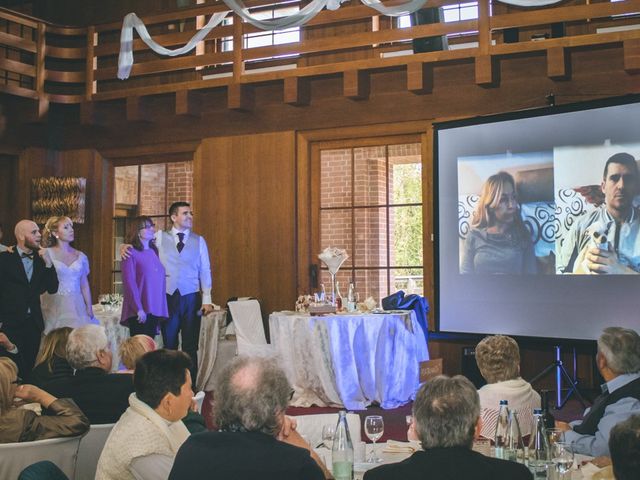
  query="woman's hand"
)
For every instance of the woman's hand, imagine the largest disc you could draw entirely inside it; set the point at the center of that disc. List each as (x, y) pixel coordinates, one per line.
(31, 393)
(142, 316)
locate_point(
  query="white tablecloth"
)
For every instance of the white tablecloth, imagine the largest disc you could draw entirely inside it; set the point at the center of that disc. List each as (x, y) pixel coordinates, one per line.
(207, 344)
(350, 360)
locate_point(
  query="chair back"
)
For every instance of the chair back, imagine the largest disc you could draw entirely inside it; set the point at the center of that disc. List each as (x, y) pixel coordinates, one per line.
(247, 318)
(90, 449)
(310, 426)
(63, 452)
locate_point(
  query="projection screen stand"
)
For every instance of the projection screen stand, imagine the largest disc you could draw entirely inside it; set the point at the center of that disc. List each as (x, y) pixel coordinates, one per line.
(561, 372)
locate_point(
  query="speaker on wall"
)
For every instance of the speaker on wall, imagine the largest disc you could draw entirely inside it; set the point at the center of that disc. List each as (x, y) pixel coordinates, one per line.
(511, 35)
(426, 16)
(557, 29)
(470, 367)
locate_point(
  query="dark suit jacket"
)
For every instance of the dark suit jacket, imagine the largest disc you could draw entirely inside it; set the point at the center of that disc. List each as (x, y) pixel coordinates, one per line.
(242, 456)
(102, 396)
(454, 463)
(18, 295)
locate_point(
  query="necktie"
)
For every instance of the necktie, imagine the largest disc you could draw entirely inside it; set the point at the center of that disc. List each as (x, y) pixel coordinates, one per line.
(28, 255)
(180, 244)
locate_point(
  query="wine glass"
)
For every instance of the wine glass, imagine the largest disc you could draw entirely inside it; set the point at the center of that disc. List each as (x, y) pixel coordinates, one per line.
(374, 428)
(328, 432)
(562, 458)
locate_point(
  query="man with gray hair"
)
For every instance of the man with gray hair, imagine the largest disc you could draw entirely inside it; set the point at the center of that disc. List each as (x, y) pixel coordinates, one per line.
(249, 404)
(446, 418)
(101, 395)
(618, 361)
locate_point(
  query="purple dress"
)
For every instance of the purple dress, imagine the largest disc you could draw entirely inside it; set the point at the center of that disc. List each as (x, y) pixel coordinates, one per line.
(144, 282)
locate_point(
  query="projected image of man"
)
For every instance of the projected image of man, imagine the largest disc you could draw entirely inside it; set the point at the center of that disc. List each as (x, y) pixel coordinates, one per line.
(607, 239)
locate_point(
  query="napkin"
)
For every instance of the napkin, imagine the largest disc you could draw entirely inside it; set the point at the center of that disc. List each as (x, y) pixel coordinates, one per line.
(394, 446)
(591, 471)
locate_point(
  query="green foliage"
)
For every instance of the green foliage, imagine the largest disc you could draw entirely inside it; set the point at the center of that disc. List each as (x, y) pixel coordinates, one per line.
(407, 221)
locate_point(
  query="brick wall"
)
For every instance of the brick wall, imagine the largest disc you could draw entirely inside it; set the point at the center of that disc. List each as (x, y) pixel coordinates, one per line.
(126, 185)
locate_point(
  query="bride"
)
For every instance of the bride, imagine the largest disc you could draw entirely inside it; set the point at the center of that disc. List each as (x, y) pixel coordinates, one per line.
(71, 305)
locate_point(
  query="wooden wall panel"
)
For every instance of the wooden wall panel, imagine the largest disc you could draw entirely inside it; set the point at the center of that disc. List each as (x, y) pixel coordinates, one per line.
(244, 201)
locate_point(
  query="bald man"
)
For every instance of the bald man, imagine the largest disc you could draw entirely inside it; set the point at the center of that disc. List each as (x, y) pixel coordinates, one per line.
(25, 274)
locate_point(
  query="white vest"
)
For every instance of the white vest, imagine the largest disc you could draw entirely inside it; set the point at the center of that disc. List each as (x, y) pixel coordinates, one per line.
(183, 269)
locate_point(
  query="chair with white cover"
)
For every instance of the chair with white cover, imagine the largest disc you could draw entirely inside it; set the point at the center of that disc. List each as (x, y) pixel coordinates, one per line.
(310, 426)
(249, 328)
(90, 449)
(15, 457)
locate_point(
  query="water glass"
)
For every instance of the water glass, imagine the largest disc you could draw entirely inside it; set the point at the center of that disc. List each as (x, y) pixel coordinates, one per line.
(374, 428)
(562, 458)
(328, 432)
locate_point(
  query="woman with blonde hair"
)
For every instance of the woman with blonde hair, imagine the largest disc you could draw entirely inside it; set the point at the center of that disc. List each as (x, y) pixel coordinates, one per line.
(51, 363)
(71, 305)
(498, 358)
(498, 242)
(133, 348)
(143, 281)
(60, 417)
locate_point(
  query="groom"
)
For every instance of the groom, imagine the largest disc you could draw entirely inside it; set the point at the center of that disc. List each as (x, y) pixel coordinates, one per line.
(25, 274)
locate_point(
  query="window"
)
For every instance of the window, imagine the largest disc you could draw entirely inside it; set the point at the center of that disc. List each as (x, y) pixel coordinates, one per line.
(267, 37)
(146, 190)
(371, 205)
(451, 13)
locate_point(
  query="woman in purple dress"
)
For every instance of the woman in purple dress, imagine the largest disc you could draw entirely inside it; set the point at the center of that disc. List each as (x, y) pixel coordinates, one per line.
(143, 279)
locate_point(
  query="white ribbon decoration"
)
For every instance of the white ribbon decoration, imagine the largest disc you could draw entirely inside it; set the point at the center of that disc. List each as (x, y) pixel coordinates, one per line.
(131, 22)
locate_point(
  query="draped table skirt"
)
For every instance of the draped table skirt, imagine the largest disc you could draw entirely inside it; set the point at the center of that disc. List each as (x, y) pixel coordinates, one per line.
(350, 360)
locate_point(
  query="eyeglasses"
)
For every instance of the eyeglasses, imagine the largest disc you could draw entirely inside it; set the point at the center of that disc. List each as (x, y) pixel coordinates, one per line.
(17, 381)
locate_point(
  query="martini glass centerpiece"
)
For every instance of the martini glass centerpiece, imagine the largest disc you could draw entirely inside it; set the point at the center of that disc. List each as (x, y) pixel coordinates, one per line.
(333, 258)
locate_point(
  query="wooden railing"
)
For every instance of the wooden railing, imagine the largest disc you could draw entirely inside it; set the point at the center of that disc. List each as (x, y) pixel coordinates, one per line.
(53, 63)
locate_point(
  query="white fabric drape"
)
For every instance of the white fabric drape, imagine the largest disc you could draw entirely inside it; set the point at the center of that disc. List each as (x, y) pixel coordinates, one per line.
(131, 22)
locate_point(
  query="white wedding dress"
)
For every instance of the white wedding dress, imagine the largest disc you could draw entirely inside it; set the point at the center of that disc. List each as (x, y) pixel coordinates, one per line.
(66, 308)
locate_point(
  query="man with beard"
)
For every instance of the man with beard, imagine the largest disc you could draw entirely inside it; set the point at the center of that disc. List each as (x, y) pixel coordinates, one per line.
(25, 273)
(617, 216)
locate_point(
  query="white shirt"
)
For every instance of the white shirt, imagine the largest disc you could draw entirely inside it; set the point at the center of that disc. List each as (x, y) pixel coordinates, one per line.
(205, 265)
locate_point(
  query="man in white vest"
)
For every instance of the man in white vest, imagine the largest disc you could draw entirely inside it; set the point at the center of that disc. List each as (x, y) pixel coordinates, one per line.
(185, 257)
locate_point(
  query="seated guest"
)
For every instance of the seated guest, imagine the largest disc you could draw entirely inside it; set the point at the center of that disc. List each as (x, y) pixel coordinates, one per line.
(101, 395)
(624, 445)
(251, 397)
(133, 348)
(618, 361)
(144, 442)
(51, 363)
(60, 417)
(498, 359)
(446, 417)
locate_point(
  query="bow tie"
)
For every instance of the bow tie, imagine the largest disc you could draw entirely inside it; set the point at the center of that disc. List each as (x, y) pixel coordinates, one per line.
(28, 255)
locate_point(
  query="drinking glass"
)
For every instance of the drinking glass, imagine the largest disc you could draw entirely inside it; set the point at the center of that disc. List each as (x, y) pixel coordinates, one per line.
(562, 458)
(328, 432)
(374, 428)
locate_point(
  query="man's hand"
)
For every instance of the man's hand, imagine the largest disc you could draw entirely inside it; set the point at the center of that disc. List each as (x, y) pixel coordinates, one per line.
(124, 250)
(563, 426)
(289, 425)
(206, 309)
(606, 262)
(6, 343)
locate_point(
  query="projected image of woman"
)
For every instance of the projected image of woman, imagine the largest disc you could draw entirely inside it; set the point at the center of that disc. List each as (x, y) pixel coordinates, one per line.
(498, 242)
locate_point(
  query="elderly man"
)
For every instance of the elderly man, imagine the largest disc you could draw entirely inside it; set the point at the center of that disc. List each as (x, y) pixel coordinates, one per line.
(617, 216)
(25, 273)
(101, 395)
(624, 445)
(250, 400)
(446, 416)
(618, 361)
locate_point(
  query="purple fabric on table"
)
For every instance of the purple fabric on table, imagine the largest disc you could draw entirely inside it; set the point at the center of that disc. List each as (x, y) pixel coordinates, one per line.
(144, 285)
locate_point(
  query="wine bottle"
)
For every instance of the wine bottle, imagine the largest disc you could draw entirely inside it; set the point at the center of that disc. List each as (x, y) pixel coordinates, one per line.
(547, 417)
(338, 297)
(351, 298)
(502, 427)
